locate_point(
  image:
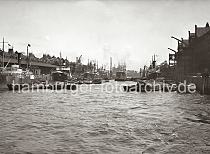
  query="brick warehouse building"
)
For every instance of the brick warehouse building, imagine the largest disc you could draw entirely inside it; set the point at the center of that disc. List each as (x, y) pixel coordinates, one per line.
(193, 54)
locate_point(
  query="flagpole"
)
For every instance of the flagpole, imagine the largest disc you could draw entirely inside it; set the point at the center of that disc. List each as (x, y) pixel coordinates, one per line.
(3, 53)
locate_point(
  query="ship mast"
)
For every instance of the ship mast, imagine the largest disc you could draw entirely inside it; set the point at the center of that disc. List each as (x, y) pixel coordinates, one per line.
(28, 56)
(3, 52)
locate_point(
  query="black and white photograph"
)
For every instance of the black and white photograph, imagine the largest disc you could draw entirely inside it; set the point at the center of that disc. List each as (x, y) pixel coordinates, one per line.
(104, 76)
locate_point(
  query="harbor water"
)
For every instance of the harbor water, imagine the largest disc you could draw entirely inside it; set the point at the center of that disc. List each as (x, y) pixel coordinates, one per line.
(101, 121)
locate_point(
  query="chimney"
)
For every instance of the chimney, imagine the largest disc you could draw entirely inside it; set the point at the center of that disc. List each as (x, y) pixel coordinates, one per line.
(181, 43)
(195, 30)
(189, 37)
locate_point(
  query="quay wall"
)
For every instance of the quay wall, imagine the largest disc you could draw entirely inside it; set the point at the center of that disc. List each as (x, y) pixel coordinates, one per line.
(202, 86)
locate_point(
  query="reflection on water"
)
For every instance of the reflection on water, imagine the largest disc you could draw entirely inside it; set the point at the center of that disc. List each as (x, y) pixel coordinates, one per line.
(101, 122)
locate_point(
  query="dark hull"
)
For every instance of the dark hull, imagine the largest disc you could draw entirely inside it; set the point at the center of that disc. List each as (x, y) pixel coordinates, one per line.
(105, 80)
(56, 76)
(120, 79)
(79, 82)
(97, 81)
(60, 87)
(169, 89)
(137, 88)
(15, 87)
(71, 87)
(3, 87)
(51, 87)
(3, 82)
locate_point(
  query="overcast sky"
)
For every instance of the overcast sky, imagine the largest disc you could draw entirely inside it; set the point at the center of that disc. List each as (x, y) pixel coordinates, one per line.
(128, 30)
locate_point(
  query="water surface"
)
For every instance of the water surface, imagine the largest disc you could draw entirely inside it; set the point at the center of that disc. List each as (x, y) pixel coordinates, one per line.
(98, 121)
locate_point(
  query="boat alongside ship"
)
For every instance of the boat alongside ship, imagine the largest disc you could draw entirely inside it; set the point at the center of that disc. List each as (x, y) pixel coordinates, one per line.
(89, 78)
(15, 77)
(61, 79)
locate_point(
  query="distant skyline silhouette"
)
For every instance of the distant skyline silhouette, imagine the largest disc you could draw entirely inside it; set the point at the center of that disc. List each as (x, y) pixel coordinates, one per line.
(127, 30)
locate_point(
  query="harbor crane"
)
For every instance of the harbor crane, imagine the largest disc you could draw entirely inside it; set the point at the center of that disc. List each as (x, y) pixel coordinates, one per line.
(181, 41)
(79, 59)
(172, 57)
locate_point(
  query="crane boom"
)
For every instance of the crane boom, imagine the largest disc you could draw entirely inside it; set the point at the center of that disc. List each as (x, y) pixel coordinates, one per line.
(172, 50)
(179, 40)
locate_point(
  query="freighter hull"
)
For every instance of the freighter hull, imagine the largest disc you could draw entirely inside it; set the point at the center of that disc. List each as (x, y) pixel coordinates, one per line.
(3, 82)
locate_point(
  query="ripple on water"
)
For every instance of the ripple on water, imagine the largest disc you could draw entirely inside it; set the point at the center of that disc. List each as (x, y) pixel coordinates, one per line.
(102, 122)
